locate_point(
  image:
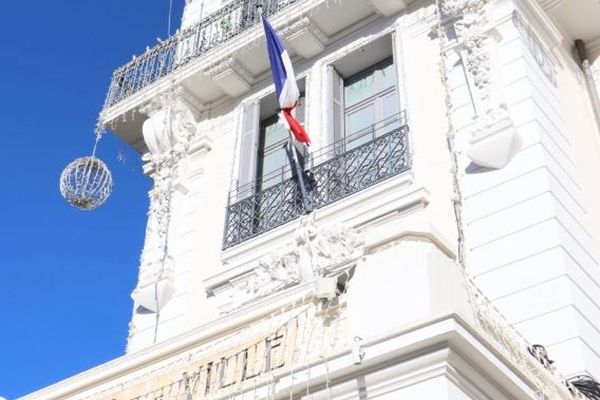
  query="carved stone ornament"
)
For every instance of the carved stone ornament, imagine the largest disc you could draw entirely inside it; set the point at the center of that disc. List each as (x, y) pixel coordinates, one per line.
(170, 126)
(314, 252)
(470, 25)
(495, 140)
(274, 272)
(327, 248)
(168, 132)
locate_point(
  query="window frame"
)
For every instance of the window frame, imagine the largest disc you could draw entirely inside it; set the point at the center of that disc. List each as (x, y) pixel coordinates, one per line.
(245, 174)
(375, 99)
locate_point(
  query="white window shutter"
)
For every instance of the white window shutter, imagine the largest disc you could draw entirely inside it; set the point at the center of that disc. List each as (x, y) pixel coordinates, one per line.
(249, 144)
(334, 106)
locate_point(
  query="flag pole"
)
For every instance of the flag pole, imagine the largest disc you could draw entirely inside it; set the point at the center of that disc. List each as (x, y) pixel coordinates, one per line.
(288, 94)
(308, 206)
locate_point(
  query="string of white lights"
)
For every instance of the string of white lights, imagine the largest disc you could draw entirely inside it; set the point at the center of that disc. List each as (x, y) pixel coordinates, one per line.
(488, 319)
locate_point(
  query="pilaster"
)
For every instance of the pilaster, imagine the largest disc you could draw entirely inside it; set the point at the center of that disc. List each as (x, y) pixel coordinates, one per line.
(171, 135)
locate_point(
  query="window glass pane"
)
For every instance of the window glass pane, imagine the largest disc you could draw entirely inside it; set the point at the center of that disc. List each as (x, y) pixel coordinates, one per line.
(274, 131)
(300, 110)
(272, 154)
(387, 76)
(359, 88)
(360, 119)
(389, 120)
(273, 162)
(359, 125)
(370, 103)
(390, 105)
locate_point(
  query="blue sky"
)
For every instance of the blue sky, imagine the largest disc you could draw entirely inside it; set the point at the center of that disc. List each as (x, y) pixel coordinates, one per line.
(65, 275)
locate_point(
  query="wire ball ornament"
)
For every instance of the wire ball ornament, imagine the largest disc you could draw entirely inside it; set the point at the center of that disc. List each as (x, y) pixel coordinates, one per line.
(86, 183)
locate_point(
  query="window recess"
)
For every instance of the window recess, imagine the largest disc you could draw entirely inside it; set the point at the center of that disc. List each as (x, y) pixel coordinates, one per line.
(264, 158)
(366, 142)
(362, 90)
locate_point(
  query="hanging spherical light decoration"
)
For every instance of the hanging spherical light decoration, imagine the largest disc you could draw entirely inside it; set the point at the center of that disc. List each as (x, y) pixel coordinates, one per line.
(86, 183)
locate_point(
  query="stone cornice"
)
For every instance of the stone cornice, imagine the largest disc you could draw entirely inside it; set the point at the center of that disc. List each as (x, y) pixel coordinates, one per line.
(447, 340)
(412, 230)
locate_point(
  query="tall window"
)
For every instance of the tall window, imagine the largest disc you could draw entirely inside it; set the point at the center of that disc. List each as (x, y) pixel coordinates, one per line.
(263, 156)
(273, 158)
(369, 97)
(365, 104)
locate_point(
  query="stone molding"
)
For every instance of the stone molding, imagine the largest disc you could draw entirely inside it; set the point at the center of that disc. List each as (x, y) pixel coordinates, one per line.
(230, 63)
(415, 230)
(304, 23)
(314, 251)
(397, 195)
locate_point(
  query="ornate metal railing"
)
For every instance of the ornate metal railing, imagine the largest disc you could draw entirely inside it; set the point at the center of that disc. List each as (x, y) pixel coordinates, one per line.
(187, 45)
(342, 169)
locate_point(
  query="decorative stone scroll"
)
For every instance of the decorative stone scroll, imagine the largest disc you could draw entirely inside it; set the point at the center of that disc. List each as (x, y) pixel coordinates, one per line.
(495, 140)
(274, 272)
(314, 251)
(170, 128)
(327, 248)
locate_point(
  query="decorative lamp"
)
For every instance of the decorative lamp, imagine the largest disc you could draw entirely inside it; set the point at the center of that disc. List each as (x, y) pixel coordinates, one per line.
(86, 183)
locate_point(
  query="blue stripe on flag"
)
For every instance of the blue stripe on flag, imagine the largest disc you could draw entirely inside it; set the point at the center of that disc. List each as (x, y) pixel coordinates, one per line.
(275, 48)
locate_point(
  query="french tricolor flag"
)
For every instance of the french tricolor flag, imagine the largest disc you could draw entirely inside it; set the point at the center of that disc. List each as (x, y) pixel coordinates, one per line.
(285, 81)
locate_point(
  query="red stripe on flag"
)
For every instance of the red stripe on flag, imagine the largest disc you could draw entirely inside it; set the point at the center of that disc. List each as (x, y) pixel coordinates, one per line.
(295, 126)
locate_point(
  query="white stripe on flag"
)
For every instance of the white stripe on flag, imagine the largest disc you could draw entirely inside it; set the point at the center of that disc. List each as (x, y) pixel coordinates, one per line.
(289, 93)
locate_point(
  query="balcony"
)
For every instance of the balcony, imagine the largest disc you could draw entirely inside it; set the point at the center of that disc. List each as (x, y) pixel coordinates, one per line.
(223, 55)
(348, 166)
(179, 50)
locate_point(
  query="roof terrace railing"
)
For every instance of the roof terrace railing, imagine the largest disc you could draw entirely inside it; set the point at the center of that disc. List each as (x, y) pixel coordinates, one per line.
(187, 45)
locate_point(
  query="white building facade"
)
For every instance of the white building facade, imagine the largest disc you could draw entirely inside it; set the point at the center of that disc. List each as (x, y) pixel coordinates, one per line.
(450, 219)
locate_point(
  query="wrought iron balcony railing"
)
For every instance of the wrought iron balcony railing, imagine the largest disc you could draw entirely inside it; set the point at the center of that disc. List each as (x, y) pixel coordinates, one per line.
(348, 166)
(189, 44)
